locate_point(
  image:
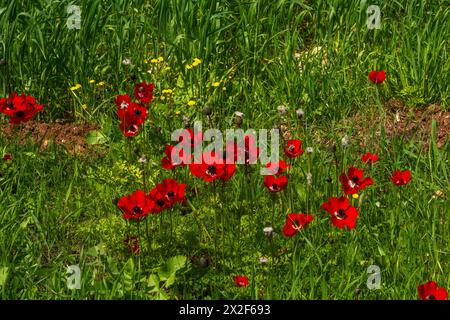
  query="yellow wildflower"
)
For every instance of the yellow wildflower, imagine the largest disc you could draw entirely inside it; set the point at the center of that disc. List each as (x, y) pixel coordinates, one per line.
(189, 66)
(167, 91)
(191, 103)
(100, 84)
(84, 106)
(75, 87)
(355, 196)
(91, 81)
(154, 60)
(160, 59)
(216, 84)
(196, 62)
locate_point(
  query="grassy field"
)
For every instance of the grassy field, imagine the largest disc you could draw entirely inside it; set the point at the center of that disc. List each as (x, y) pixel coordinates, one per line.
(58, 207)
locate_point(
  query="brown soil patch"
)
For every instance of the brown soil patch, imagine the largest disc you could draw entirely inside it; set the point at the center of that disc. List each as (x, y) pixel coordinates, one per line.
(400, 120)
(71, 136)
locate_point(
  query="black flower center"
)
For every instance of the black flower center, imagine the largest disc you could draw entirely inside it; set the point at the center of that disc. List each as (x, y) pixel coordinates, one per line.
(431, 297)
(137, 210)
(355, 179)
(291, 148)
(275, 186)
(20, 114)
(10, 105)
(170, 194)
(137, 112)
(141, 89)
(160, 202)
(340, 214)
(211, 170)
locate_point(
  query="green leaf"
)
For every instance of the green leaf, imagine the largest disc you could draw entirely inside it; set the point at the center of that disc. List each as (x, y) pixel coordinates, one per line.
(171, 267)
(3, 275)
(95, 137)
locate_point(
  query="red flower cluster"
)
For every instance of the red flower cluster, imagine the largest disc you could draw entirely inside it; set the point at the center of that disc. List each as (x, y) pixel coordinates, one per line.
(164, 195)
(276, 182)
(212, 167)
(131, 114)
(19, 108)
(430, 291)
(295, 222)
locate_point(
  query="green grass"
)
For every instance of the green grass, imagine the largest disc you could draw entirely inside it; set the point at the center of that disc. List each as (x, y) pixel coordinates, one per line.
(57, 209)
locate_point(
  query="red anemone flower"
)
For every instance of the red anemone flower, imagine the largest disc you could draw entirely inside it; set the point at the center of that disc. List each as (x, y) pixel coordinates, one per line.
(129, 128)
(191, 138)
(430, 291)
(247, 153)
(175, 156)
(210, 168)
(342, 213)
(241, 281)
(134, 113)
(277, 168)
(19, 108)
(122, 102)
(353, 181)
(295, 222)
(275, 184)
(7, 157)
(144, 92)
(158, 201)
(293, 148)
(135, 206)
(400, 178)
(377, 77)
(369, 158)
(230, 169)
(171, 191)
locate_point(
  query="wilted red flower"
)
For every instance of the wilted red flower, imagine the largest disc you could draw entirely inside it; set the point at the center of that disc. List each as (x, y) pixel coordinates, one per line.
(369, 158)
(400, 178)
(377, 77)
(274, 183)
(171, 191)
(212, 167)
(295, 222)
(144, 92)
(293, 148)
(7, 157)
(135, 206)
(353, 181)
(178, 158)
(19, 108)
(241, 281)
(277, 168)
(430, 291)
(132, 244)
(342, 213)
